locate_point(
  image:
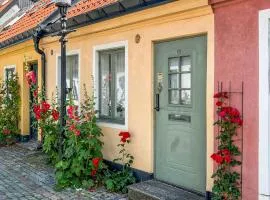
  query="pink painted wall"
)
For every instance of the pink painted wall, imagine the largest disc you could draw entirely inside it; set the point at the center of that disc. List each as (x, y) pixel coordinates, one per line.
(236, 60)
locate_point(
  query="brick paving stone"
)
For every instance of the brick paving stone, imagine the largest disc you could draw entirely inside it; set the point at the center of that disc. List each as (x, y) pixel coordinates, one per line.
(24, 175)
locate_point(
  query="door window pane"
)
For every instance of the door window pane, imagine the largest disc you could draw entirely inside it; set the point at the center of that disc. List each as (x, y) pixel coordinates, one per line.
(174, 64)
(185, 97)
(112, 86)
(174, 81)
(185, 64)
(174, 97)
(186, 80)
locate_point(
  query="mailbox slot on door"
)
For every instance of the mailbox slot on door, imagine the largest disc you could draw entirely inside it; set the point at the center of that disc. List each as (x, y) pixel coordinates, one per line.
(180, 118)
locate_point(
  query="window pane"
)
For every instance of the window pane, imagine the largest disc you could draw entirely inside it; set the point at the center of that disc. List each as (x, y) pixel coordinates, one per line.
(174, 97)
(186, 80)
(9, 73)
(185, 64)
(72, 76)
(105, 79)
(118, 64)
(174, 64)
(185, 97)
(174, 81)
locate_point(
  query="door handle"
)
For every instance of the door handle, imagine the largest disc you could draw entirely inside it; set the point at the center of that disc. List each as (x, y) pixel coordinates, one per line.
(157, 108)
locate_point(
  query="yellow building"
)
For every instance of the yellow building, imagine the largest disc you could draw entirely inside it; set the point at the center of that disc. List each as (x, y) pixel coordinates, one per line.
(152, 70)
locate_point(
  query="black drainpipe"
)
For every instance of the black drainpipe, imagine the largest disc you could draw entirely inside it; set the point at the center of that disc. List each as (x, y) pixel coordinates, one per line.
(37, 35)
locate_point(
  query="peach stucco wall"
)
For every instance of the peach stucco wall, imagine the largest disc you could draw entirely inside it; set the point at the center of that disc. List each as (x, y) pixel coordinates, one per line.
(236, 60)
(17, 56)
(165, 22)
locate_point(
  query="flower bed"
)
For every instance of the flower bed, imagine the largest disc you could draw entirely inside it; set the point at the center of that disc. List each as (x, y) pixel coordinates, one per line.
(80, 163)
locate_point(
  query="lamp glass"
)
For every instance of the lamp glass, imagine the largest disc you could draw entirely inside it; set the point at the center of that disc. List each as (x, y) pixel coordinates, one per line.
(62, 2)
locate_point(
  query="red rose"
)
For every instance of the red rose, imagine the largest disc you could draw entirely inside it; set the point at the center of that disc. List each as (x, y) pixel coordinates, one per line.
(237, 121)
(227, 158)
(225, 152)
(217, 158)
(124, 136)
(31, 78)
(55, 115)
(234, 112)
(95, 162)
(222, 113)
(219, 103)
(221, 95)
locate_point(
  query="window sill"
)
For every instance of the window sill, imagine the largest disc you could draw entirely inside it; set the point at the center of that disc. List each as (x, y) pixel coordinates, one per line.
(112, 125)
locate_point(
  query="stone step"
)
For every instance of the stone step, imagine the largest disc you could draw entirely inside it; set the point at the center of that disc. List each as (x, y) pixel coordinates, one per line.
(156, 190)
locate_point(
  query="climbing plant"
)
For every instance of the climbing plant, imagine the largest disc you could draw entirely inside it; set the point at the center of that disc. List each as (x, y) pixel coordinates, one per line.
(9, 110)
(226, 178)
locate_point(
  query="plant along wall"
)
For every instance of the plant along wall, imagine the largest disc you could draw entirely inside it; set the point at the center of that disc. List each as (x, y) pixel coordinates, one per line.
(226, 178)
(9, 110)
(81, 163)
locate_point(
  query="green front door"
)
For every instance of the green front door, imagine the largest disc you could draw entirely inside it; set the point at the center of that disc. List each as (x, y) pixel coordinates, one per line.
(180, 88)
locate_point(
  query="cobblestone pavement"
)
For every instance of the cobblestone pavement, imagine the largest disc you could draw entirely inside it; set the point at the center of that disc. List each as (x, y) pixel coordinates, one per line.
(24, 175)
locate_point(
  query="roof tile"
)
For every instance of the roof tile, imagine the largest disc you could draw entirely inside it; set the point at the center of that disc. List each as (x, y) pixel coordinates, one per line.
(43, 9)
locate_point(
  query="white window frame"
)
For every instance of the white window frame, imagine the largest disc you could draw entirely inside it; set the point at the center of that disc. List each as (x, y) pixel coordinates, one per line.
(264, 102)
(95, 68)
(71, 53)
(9, 67)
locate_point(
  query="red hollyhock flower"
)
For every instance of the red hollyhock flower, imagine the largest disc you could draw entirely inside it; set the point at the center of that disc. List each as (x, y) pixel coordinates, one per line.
(31, 78)
(36, 108)
(95, 162)
(217, 158)
(6, 132)
(93, 172)
(55, 115)
(35, 93)
(77, 132)
(38, 116)
(219, 103)
(45, 106)
(70, 111)
(72, 127)
(37, 112)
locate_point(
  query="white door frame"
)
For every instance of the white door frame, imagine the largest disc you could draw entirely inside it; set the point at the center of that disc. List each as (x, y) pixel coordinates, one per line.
(264, 102)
